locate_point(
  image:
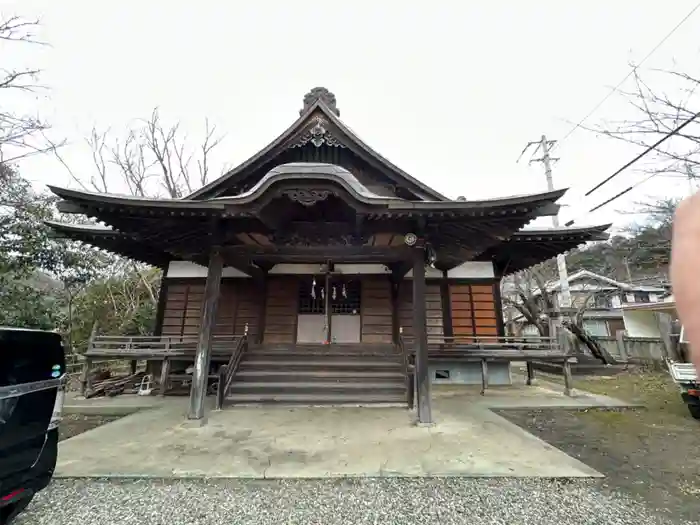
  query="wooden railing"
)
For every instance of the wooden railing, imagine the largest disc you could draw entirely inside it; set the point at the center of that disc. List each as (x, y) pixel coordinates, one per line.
(408, 371)
(495, 342)
(147, 346)
(102, 348)
(485, 349)
(228, 371)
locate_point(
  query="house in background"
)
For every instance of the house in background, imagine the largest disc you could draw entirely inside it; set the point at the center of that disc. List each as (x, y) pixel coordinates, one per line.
(600, 299)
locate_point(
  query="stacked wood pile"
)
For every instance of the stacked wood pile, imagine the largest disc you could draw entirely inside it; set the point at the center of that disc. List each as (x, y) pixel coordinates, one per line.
(105, 384)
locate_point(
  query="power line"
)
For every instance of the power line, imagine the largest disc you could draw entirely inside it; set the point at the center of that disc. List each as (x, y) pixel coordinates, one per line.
(614, 197)
(627, 165)
(629, 74)
(645, 152)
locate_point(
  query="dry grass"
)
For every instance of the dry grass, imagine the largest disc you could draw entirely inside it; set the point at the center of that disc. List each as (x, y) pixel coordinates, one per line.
(655, 390)
(649, 452)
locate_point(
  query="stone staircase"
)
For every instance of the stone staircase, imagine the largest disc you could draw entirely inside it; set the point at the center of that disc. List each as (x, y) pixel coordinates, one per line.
(336, 374)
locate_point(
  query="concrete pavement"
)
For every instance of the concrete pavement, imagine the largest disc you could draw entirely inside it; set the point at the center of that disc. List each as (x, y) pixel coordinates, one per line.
(467, 440)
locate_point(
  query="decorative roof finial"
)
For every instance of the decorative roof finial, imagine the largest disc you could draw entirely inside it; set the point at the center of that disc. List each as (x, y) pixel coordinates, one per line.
(322, 94)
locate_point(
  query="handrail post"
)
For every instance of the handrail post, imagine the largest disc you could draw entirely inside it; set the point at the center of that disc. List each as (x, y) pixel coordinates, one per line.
(221, 387)
(227, 371)
(409, 372)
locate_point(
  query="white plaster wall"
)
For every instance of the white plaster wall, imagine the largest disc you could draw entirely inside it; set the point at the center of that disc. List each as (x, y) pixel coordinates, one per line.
(641, 323)
(311, 269)
(467, 270)
(186, 269)
(462, 373)
(364, 269)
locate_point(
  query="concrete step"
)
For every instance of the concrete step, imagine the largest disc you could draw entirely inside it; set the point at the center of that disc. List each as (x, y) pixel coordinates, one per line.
(336, 375)
(316, 400)
(317, 388)
(318, 355)
(250, 363)
(341, 347)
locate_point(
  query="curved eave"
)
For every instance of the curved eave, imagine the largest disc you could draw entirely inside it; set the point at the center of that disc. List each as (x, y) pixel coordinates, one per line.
(127, 200)
(76, 201)
(109, 240)
(279, 144)
(530, 200)
(527, 248)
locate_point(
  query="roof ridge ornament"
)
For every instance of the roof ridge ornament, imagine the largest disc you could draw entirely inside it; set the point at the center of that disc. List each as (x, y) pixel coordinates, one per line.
(318, 134)
(322, 94)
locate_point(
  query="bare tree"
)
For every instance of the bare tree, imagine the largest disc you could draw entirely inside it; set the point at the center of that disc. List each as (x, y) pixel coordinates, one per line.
(532, 295)
(528, 294)
(661, 100)
(150, 159)
(21, 135)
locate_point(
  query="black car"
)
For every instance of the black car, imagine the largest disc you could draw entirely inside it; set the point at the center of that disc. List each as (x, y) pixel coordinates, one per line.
(32, 372)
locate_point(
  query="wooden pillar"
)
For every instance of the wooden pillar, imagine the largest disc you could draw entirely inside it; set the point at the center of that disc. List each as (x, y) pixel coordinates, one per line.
(484, 376)
(162, 300)
(200, 377)
(395, 324)
(447, 328)
(327, 305)
(568, 381)
(420, 334)
(164, 374)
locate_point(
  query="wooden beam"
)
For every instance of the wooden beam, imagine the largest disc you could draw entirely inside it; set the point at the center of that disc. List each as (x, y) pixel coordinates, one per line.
(200, 377)
(318, 254)
(420, 333)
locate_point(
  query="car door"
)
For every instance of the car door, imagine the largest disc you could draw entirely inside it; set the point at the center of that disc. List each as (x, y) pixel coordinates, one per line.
(32, 364)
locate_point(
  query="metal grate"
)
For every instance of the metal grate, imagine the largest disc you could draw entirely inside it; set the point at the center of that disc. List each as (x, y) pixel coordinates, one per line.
(348, 302)
(307, 303)
(345, 296)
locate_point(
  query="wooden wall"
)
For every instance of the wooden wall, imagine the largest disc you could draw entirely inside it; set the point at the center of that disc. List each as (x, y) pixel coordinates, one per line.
(474, 309)
(183, 306)
(376, 309)
(281, 309)
(239, 304)
(433, 308)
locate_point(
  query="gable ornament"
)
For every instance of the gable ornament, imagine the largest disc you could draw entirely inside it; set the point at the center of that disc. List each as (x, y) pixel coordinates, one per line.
(318, 135)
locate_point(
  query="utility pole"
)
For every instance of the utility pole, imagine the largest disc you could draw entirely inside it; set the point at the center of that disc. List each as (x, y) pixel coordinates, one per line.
(546, 159)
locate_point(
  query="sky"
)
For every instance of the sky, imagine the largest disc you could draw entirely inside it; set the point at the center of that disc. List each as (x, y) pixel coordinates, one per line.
(450, 91)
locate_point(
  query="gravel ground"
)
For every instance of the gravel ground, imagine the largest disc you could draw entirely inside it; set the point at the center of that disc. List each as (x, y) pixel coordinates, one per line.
(328, 502)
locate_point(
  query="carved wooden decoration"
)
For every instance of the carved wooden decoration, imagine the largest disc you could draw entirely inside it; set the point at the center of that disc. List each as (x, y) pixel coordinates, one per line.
(318, 134)
(301, 240)
(307, 197)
